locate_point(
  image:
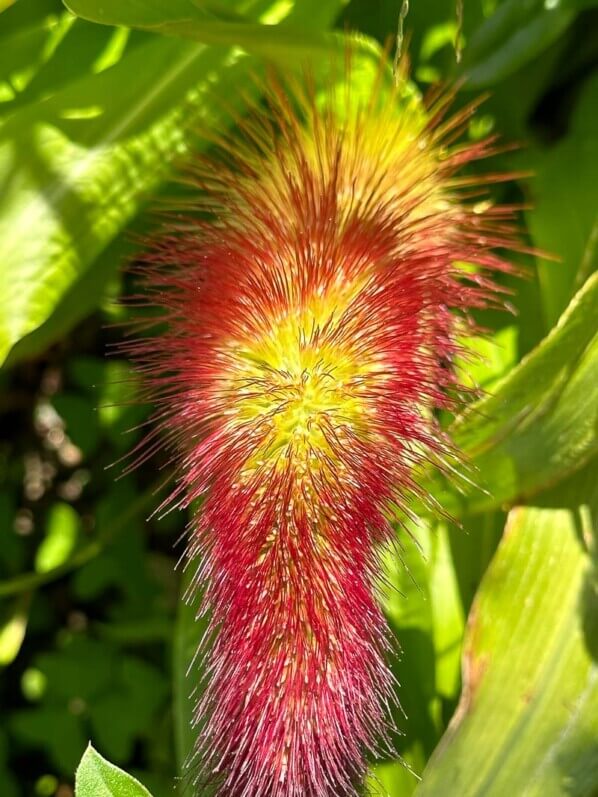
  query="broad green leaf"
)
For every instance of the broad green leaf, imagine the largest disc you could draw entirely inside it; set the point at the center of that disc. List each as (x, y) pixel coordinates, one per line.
(96, 777)
(77, 166)
(85, 290)
(39, 59)
(527, 722)
(564, 217)
(78, 182)
(390, 779)
(539, 425)
(17, 16)
(515, 34)
(79, 669)
(187, 19)
(22, 51)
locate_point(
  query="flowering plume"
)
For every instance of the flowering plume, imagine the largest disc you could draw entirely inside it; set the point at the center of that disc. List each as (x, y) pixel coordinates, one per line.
(310, 330)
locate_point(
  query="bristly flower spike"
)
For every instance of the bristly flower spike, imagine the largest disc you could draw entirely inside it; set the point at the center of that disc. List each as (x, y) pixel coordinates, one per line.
(313, 300)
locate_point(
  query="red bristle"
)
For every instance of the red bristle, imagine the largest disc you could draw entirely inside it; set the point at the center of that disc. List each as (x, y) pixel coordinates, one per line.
(310, 328)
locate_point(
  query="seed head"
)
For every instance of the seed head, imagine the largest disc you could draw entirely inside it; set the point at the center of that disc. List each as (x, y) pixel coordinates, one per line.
(314, 296)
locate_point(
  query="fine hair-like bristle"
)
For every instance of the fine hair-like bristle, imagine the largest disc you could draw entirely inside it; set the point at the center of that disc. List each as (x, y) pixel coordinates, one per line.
(312, 302)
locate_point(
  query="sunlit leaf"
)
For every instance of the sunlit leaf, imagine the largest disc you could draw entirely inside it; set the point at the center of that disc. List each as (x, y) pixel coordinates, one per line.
(13, 625)
(62, 530)
(77, 183)
(540, 422)
(97, 777)
(78, 166)
(448, 617)
(528, 718)
(424, 610)
(187, 19)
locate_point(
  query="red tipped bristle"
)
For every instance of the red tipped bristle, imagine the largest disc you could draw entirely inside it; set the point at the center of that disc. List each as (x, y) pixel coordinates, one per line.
(310, 328)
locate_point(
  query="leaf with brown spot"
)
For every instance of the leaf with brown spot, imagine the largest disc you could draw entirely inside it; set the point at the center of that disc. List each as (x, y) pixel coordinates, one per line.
(527, 723)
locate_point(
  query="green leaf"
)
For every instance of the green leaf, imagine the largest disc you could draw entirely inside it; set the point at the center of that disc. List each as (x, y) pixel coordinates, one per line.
(186, 19)
(493, 357)
(78, 165)
(21, 51)
(425, 614)
(540, 424)
(12, 629)
(18, 16)
(564, 216)
(473, 544)
(187, 670)
(448, 617)
(62, 530)
(78, 182)
(66, 49)
(527, 722)
(409, 612)
(96, 777)
(515, 34)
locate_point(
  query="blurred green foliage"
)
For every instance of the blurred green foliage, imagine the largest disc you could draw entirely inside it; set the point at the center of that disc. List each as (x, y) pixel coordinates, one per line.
(497, 633)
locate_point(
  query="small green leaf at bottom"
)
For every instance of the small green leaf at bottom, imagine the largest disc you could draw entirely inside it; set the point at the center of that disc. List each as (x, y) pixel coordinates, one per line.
(97, 777)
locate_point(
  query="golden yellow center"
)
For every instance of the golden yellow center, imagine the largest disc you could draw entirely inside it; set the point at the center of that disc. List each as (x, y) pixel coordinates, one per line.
(300, 388)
